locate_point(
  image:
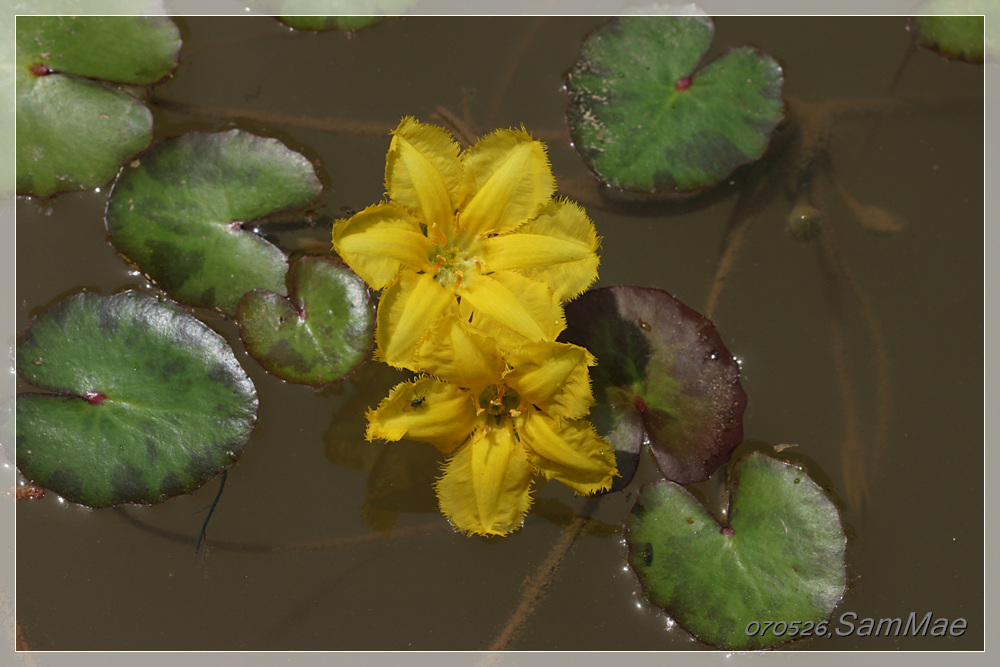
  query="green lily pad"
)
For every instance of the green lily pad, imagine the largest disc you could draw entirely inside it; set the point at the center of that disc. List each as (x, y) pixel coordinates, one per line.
(663, 377)
(73, 132)
(150, 402)
(321, 333)
(954, 37)
(646, 117)
(779, 558)
(180, 211)
(320, 23)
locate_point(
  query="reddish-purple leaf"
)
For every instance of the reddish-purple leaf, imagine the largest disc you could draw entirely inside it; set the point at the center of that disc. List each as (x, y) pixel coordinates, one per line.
(663, 376)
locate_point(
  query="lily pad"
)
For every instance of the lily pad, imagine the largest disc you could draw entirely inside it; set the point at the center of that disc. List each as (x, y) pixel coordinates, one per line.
(73, 132)
(150, 402)
(180, 211)
(645, 116)
(663, 376)
(320, 23)
(780, 557)
(321, 333)
(954, 37)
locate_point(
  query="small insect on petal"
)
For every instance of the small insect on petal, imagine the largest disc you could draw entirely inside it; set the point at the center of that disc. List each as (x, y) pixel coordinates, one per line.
(415, 403)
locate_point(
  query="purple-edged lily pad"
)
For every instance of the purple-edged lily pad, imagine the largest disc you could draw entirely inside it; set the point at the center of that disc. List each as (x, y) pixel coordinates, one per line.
(770, 574)
(181, 211)
(663, 376)
(320, 333)
(149, 402)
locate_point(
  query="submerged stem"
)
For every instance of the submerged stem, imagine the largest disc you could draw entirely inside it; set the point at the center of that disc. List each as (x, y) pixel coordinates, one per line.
(852, 452)
(858, 462)
(328, 124)
(211, 510)
(459, 128)
(752, 201)
(727, 260)
(513, 61)
(537, 584)
(265, 547)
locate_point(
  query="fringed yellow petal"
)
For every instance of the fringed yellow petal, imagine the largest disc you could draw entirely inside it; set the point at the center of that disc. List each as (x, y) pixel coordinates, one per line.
(559, 248)
(452, 351)
(486, 488)
(512, 309)
(408, 307)
(422, 172)
(379, 242)
(427, 410)
(505, 181)
(553, 376)
(569, 451)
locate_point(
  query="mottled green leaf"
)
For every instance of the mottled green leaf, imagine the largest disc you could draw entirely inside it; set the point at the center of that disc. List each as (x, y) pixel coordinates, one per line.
(321, 333)
(150, 402)
(180, 211)
(779, 557)
(74, 130)
(645, 116)
(663, 377)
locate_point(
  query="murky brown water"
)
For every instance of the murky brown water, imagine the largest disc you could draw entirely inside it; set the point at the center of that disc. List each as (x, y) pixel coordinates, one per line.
(291, 564)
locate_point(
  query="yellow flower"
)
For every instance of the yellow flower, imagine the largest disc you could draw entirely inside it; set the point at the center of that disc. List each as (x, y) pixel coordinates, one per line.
(528, 419)
(473, 235)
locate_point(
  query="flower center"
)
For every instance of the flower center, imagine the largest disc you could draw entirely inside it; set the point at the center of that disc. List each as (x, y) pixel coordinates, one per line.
(499, 401)
(454, 266)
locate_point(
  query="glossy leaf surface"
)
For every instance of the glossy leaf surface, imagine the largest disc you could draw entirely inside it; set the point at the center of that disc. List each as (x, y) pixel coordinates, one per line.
(73, 128)
(663, 376)
(150, 402)
(180, 211)
(780, 557)
(322, 332)
(647, 117)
